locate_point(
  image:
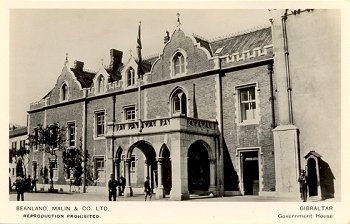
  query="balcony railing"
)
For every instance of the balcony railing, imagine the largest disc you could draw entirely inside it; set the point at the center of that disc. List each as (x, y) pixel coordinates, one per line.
(163, 125)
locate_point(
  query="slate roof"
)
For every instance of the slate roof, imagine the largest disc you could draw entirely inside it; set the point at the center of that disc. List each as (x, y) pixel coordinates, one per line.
(18, 131)
(203, 43)
(85, 78)
(242, 42)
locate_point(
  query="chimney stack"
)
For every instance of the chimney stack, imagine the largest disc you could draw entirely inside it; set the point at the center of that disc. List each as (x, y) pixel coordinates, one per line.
(116, 59)
(78, 65)
(167, 37)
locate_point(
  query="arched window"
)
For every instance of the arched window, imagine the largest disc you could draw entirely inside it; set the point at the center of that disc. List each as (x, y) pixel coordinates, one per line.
(130, 77)
(179, 102)
(179, 63)
(64, 92)
(100, 84)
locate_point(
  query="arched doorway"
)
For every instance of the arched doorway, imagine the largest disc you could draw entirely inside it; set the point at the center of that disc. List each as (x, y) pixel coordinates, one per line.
(140, 162)
(166, 169)
(198, 169)
(312, 177)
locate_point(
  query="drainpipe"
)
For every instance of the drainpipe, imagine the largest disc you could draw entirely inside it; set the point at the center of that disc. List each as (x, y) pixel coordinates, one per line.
(286, 58)
(270, 68)
(113, 125)
(84, 141)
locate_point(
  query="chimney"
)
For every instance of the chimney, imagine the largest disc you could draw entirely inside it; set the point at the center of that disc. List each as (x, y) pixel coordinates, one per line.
(78, 65)
(167, 37)
(116, 59)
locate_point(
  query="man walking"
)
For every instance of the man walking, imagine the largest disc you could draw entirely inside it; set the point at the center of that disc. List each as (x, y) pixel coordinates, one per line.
(148, 190)
(112, 188)
(303, 185)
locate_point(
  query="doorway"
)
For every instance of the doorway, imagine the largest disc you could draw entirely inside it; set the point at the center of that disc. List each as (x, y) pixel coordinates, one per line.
(250, 172)
(312, 177)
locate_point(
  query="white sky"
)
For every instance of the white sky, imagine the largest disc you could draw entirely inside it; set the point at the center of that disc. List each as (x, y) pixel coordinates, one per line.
(39, 39)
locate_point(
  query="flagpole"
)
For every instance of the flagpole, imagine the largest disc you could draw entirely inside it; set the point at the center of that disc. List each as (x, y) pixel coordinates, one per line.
(139, 47)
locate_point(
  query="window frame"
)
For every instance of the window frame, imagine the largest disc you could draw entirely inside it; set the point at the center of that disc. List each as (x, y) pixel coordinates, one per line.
(64, 92)
(100, 83)
(97, 124)
(128, 108)
(69, 134)
(178, 93)
(54, 169)
(130, 77)
(179, 56)
(97, 169)
(238, 92)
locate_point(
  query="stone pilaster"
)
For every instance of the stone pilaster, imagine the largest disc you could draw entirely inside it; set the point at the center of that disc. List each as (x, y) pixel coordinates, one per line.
(128, 189)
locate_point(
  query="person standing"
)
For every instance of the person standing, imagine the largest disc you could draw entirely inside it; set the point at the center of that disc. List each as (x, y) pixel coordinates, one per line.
(148, 190)
(112, 188)
(34, 183)
(20, 187)
(303, 185)
(122, 185)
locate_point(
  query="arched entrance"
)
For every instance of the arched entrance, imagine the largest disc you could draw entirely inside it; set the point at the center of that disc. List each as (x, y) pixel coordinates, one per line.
(198, 169)
(140, 162)
(312, 177)
(166, 169)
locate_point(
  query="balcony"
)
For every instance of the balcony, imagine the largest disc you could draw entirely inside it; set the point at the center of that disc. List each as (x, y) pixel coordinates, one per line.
(163, 125)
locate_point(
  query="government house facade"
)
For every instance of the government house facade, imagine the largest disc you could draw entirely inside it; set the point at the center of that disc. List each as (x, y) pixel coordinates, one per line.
(229, 116)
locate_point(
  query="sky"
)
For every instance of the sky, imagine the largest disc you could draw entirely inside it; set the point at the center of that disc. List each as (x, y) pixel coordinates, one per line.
(40, 39)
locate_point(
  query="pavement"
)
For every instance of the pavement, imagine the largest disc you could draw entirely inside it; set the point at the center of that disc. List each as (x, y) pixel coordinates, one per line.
(68, 196)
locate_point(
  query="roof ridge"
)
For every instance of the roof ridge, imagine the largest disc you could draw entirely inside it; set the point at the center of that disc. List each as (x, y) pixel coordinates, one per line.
(200, 37)
(151, 56)
(241, 32)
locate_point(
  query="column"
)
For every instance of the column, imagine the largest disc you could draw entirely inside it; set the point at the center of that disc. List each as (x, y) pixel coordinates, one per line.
(160, 189)
(212, 187)
(128, 189)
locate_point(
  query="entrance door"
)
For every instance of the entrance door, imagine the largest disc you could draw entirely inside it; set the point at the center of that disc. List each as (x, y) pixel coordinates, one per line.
(250, 173)
(198, 169)
(312, 177)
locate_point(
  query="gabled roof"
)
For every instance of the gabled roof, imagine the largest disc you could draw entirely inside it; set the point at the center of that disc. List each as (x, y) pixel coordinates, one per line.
(242, 42)
(18, 131)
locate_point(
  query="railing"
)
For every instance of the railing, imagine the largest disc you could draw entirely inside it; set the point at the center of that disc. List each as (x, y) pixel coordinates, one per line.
(159, 125)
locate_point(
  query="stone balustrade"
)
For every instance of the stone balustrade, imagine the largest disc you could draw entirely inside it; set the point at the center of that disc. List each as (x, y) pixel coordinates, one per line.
(163, 125)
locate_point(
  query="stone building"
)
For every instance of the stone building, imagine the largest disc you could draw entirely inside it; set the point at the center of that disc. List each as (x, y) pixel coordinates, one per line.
(17, 140)
(207, 116)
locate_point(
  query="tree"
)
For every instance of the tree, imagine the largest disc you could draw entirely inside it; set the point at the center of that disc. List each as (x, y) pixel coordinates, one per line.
(49, 139)
(20, 157)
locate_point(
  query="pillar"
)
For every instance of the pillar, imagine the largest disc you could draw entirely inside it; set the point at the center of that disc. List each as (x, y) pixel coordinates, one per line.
(128, 189)
(160, 188)
(212, 187)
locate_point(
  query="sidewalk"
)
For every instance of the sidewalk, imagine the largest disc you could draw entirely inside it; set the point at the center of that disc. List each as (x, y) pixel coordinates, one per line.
(67, 196)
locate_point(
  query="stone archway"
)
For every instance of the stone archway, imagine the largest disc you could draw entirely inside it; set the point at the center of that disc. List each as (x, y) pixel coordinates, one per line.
(133, 165)
(198, 169)
(166, 169)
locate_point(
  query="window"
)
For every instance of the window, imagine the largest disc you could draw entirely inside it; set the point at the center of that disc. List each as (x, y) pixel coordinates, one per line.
(179, 63)
(64, 92)
(133, 164)
(100, 84)
(54, 168)
(22, 144)
(130, 77)
(71, 134)
(99, 168)
(130, 113)
(179, 104)
(247, 104)
(100, 124)
(14, 145)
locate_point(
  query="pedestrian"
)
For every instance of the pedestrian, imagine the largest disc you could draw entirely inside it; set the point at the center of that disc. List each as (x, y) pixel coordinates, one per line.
(20, 187)
(122, 184)
(29, 184)
(112, 188)
(34, 183)
(303, 185)
(148, 190)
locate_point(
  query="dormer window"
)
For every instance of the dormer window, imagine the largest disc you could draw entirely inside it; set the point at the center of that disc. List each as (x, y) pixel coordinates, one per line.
(179, 63)
(130, 77)
(64, 92)
(100, 84)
